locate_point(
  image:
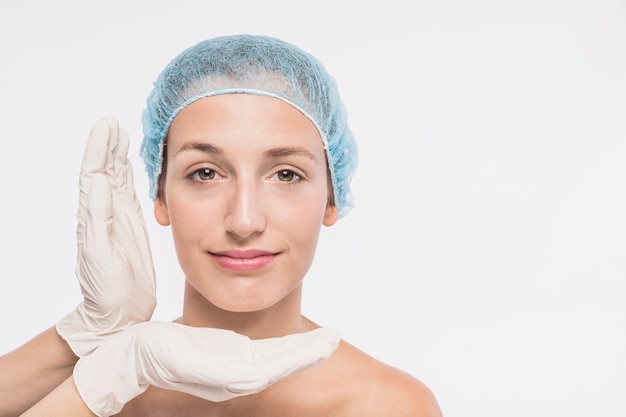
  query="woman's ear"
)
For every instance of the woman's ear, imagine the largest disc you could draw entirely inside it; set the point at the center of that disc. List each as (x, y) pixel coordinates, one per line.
(161, 214)
(331, 215)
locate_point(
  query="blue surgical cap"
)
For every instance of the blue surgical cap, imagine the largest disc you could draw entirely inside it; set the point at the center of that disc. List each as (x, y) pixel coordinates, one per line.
(259, 65)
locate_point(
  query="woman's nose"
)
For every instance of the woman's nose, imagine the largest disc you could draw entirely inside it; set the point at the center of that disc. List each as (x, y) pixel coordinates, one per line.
(246, 216)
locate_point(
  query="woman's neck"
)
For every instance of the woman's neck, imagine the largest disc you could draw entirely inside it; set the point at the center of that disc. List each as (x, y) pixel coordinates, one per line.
(279, 320)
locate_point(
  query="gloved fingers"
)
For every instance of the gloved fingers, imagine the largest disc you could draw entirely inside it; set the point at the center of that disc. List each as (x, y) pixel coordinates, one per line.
(248, 366)
(126, 183)
(94, 245)
(97, 149)
(121, 160)
(107, 265)
(213, 364)
(95, 195)
(99, 213)
(234, 365)
(96, 159)
(126, 198)
(128, 228)
(129, 233)
(113, 144)
(132, 194)
(286, 355)
(101, 268)
(127, 205)
(324, 339)
(129, 237)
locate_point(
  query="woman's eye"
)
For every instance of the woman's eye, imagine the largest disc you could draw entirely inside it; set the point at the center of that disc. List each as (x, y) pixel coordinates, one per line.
(203, 174)
(286, 175)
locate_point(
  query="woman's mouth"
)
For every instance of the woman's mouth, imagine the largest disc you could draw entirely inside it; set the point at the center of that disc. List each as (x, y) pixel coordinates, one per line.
(243, 260)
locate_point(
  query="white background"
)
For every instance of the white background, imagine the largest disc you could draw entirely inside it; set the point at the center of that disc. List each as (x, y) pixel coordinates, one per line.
(487, 252)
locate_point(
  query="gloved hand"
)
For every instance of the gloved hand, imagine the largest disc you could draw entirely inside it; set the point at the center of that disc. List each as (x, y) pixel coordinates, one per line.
(213, 364)
(114, 267)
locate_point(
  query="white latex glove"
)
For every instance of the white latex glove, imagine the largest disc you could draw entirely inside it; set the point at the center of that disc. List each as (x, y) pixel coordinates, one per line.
(213, 364)
(114, 266)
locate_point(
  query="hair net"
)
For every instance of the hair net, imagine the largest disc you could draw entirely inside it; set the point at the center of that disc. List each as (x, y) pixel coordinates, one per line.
(257, 65)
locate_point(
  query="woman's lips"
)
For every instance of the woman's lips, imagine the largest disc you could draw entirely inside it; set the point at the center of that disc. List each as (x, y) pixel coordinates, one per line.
(248, 260)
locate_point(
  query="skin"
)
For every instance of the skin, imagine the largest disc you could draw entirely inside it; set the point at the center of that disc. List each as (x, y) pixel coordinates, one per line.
(244, 173)
(245, 194)
(63, 401)
(250, 199)
(33, 370)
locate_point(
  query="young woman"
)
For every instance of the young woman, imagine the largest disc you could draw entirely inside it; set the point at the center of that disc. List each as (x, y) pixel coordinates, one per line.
(248, 153)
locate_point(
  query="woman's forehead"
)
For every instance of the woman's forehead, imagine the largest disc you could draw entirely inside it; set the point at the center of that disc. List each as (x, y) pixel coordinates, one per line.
(245, 119)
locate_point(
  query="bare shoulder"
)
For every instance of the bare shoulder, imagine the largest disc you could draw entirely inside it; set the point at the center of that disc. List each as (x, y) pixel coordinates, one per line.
(382, 390)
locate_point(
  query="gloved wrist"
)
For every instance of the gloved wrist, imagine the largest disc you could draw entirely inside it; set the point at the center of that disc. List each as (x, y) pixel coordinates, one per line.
(80, 337)
(84, 332)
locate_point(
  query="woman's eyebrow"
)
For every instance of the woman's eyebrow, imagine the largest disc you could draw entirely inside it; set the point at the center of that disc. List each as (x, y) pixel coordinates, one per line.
(288, 151)
(200, 146)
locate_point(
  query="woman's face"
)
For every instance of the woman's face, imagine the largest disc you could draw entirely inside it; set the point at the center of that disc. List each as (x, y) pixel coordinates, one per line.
(245, 193)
